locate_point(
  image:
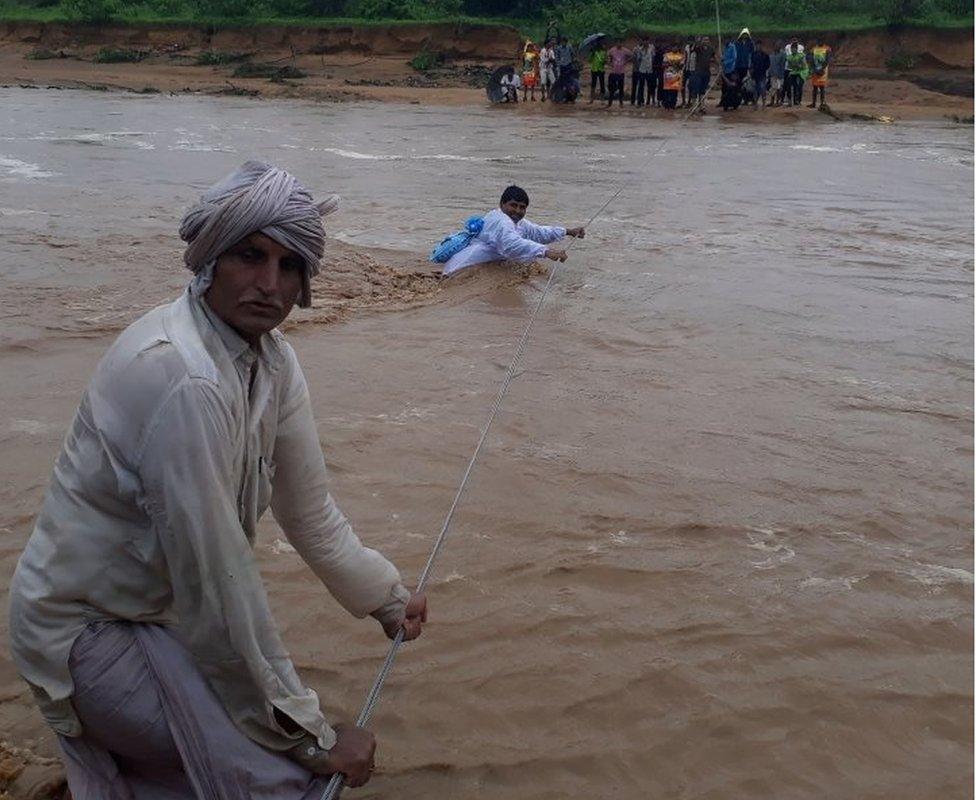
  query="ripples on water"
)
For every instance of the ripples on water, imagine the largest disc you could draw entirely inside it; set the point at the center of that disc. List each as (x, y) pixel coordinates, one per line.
(720, 544)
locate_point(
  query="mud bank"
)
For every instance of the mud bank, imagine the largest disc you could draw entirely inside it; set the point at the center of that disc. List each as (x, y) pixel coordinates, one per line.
(372, 63)
(926, 47)
(453, 41)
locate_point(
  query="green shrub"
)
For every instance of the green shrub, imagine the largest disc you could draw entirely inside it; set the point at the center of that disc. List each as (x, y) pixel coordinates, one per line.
(579, 18)
(91, 10)
(258, 70)
(434, 9)
(900, 62)
(226, 9)
(159, 8)
(898, 12)
(426, 60)
(118, 55)
(215, 58)
(379, 9)
(41, 54)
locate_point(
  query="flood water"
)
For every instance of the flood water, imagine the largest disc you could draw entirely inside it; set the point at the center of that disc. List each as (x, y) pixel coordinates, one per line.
(719, 543)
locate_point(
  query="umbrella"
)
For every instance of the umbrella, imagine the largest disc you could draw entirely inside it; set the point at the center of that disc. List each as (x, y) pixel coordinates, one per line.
(590, 42)
(494, 87)
(568, 80)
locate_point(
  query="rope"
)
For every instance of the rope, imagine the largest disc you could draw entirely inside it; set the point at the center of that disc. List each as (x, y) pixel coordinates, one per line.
(335, 785)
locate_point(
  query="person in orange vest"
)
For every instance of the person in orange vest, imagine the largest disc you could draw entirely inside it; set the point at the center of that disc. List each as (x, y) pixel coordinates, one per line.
(674, 72)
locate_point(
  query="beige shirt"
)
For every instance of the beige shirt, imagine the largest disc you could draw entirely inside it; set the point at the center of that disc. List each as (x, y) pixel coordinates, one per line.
(183, 439)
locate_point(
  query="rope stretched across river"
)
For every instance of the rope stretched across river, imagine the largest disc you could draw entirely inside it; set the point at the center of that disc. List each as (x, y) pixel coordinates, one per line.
(335, 785)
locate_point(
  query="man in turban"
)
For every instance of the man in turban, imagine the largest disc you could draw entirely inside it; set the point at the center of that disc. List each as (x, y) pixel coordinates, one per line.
(138, 615)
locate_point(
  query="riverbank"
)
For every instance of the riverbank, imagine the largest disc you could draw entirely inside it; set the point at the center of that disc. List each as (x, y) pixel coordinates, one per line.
(933, 79)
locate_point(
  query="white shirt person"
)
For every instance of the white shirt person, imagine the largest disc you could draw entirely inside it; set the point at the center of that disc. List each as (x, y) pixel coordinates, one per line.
(508, 236)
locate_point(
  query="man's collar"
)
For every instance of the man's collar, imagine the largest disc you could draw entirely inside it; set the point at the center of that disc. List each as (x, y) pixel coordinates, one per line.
(234, 343)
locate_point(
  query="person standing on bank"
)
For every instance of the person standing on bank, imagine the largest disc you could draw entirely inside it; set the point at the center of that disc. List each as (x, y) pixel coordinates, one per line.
(744, 48)
(797, 72)
(645, 72)
(137, 612)
(547, 69)
(819, 67)
(691, 56)
(618, 57)
(658, 81)
(598, 65)
(564, 56)
(702, 75)
(777, 74)
(760, 73)
(643, 55)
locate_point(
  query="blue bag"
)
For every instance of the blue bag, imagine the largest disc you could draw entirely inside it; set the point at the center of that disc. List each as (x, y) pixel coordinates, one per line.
(456, 242)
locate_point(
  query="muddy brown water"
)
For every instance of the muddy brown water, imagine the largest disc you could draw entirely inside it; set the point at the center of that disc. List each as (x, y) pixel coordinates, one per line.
(719, 543)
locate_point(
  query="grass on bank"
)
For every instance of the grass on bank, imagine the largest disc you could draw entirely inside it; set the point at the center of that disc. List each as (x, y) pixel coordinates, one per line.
(534, 28)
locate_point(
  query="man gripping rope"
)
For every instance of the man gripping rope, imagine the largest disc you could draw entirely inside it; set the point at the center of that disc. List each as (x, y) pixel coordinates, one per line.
(137, 612)
(507, 236)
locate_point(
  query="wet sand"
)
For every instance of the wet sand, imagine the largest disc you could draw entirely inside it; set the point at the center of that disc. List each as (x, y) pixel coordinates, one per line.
(720, 541)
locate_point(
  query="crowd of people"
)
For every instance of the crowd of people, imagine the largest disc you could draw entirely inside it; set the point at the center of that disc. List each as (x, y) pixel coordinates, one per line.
(673, 74)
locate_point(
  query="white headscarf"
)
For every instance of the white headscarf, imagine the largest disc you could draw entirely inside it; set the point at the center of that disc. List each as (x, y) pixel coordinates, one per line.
(256, 198)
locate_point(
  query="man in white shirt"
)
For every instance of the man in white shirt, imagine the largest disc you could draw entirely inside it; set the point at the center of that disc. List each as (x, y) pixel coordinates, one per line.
(508, 236)
(138, 614)
(510, 83)
(547, 69)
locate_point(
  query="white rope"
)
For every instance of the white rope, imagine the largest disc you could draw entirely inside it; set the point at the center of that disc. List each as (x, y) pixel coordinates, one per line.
(335, 785)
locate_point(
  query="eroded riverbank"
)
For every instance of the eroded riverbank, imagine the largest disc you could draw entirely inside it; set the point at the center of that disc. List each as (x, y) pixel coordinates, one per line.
(372, 63)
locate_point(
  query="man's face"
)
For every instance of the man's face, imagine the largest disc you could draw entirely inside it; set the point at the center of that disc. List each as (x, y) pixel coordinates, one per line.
(514, 209)
(255, 285)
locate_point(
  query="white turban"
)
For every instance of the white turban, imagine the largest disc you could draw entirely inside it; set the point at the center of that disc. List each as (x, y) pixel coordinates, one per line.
(256, 198)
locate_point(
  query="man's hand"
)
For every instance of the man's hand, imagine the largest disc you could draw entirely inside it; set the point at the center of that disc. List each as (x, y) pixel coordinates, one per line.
(555, 254)
(578, 233)
(352, 755)
(415, 615)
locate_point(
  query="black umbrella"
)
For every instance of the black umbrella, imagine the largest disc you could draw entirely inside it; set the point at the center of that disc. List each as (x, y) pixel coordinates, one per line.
(494, 87)
(590, 42)
(566, 88)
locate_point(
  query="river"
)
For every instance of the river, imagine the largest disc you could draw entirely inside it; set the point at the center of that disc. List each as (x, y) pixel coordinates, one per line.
(719, 544)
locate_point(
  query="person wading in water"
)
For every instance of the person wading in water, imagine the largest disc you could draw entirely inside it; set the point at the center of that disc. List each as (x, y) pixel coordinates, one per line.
(507, 236)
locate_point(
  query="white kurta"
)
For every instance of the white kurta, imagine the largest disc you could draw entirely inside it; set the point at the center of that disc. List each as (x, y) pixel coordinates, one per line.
(183, 439)
(503, 240)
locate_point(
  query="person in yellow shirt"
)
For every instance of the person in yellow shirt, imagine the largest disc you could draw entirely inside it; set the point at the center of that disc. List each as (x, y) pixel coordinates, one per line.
(819, 67)
(530, 70)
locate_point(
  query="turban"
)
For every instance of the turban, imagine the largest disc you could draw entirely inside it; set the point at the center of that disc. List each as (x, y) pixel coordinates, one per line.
(256, 198)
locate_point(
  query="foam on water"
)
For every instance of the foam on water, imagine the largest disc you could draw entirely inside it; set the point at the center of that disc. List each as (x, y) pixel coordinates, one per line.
(23, 169)
(99, 139)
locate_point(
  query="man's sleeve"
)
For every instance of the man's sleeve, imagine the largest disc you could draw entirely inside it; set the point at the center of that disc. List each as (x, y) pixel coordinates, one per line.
(544, 234)
(186, 469)
(360, 578)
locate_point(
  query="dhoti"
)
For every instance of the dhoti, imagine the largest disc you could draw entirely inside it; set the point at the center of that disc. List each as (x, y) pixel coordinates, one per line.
(154, 730)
